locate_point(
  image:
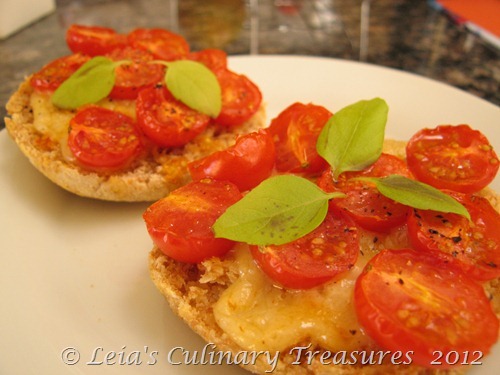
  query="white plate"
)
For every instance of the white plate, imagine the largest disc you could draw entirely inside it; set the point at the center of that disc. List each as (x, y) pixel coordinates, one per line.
(74, 271)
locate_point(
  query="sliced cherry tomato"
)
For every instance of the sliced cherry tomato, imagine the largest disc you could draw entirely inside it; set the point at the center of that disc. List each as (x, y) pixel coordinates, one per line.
(162, 44)
(94, 40)
(181, 223)
(407, 301)
(135, 73)
(50, 77)
(472, 245)
(165, 120)
(241, 98)
(295, 131)
(318, 257)
(247, 163)
(102, 139)
(452, 157)
(212, 58)
(363, 202)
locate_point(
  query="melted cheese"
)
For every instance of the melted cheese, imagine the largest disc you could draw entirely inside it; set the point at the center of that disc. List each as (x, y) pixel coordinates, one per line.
(48, 119)
(260, 316)
(54, 122)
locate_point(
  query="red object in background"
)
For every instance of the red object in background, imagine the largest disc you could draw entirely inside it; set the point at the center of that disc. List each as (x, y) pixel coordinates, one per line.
(482, 13)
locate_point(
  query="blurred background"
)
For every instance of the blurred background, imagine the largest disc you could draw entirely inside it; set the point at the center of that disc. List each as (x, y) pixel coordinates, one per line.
(419, 36)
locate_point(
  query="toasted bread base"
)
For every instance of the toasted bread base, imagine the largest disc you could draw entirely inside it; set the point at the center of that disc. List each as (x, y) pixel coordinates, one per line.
(146, 180)
(191, 296)
(192, 289)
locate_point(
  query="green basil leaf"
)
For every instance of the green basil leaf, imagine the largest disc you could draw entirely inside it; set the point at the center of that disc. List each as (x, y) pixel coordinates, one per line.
(92, 82)
(353, 137)
(279, 210)
(195, 85)
(417, 194)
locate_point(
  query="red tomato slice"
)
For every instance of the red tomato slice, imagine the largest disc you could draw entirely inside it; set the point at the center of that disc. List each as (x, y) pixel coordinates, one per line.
(94, 40)
(452, 157)
(329, 250)
(473, 246)
(241, 98)
(50, 77)
(165, 120)
(162, 44)
(410, 302)
(363, 202)
(102, 139)
(247, 163)
(181, 223)
(136, 74)
(295, 131)
(212, 58)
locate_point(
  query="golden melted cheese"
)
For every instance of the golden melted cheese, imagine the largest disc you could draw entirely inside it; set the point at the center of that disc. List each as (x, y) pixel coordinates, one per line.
(257, 315)
(54, 122)
(48, 119)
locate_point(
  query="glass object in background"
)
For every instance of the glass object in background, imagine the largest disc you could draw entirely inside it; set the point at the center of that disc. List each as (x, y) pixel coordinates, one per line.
(364, 25)
(298, 27)
(214, 24)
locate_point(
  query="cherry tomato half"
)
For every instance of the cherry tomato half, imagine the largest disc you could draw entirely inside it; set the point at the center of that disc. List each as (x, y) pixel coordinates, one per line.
(314, 259)
(472, 245)
(247, 163)
(50, 77)
(94, 40)
(241, 98)
(295, 131)
(181, 223)
(165, 120)
(363, 202)
(452, 157)
(407, 301)
(102, 139)
(135, 74)
(212, 58)
(162, 44)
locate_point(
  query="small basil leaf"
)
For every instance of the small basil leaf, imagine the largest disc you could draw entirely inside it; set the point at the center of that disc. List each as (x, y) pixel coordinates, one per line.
(353, 137)
(279, 210)
(195, 85)
(92, 82)
(417, 194)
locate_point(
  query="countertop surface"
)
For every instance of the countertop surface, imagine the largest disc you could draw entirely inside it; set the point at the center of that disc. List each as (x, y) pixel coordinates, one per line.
(409, 35)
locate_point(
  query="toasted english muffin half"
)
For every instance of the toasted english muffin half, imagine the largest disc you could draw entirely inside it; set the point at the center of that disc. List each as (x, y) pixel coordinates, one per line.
(147, 179)
(193, 292)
